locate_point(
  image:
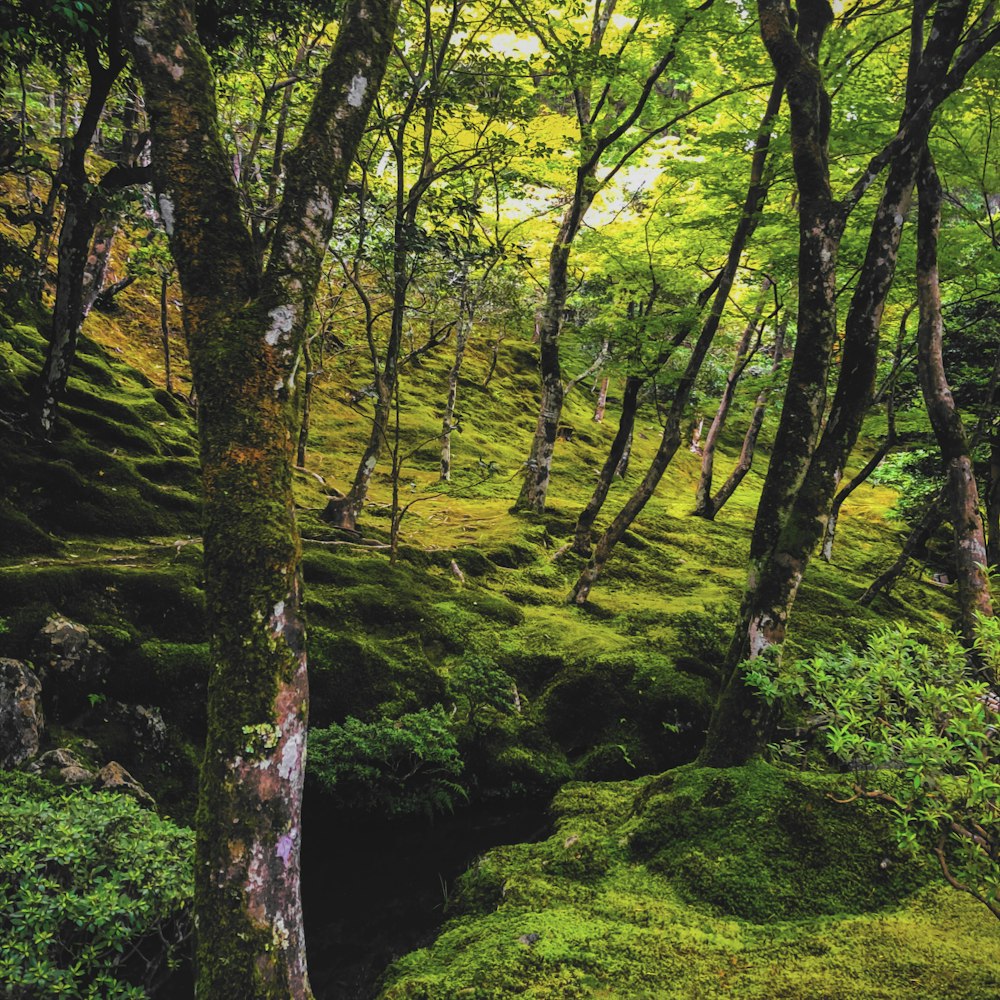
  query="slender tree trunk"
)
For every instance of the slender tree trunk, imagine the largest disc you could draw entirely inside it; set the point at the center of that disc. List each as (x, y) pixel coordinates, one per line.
(621, 469)
(970, 543)
(461, 339)
(993, 505)
(749, 446)
(602, 399)
(830, 531)
(245, 332)
(918, 537)
(703, 496)
(538, 467)
(96, 269)
(165, 334)
(307, 391)
(630, 404)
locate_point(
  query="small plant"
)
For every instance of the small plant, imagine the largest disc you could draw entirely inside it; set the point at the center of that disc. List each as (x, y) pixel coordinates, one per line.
(479, 685)
(919, 733)
(402, 767)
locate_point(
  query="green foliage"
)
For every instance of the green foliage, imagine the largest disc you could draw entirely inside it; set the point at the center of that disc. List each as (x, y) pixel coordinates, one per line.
(918, 730)
(481, 688)
(398, 767)
(95, 893)
(913, 475)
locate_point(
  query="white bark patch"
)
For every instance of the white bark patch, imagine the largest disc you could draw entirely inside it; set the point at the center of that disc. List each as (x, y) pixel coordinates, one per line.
(277, 622)
(291, 755)
(282, 320)
(356, 93)
(898, 219)
(167, 213)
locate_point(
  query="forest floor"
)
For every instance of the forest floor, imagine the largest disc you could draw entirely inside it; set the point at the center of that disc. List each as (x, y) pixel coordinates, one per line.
(749, 884)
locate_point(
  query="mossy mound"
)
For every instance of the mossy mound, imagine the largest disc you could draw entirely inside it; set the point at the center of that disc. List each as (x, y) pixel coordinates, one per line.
(592, 913)
(763, 845)
(121, 462)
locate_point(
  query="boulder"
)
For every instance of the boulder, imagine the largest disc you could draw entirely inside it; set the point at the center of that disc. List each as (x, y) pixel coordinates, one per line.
(70, 768)
(21, 720)
(70, 665)
(114, 778)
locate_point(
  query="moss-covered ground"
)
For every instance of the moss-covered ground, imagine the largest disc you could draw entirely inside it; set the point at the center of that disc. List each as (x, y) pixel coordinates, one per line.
(649, 888)
(749, 883)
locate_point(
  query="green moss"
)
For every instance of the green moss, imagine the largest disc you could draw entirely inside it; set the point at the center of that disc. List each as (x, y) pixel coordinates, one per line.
(581, 915)
(764, 845)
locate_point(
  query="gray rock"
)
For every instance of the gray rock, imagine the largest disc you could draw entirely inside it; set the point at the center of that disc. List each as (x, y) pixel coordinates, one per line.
(70, 665)
(70, 768)
(21, 719)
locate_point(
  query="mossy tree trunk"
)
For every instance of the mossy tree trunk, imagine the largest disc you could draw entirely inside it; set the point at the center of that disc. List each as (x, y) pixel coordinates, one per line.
(244, 332)
(806, 465)
(963, 496)
(888, 443)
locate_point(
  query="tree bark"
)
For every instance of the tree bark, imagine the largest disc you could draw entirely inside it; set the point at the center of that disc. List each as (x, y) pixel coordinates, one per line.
(602, 400)
(703, 495)
(969, 540)
(918, 537)
(616, 455)
(538, 467)
(245, 332)
(804, 474)
(447, 426)
(165, 334)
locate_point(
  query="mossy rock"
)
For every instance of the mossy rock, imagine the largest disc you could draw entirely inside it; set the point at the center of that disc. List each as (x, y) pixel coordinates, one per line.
(762, 844)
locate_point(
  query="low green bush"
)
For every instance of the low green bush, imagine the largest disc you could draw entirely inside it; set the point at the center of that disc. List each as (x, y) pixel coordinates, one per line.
(95, 893)
(399, 767)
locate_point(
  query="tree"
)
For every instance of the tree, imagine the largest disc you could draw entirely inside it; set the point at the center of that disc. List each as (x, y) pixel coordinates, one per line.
(608, 110)
(244, 330)
(813, 441)
(967, 525)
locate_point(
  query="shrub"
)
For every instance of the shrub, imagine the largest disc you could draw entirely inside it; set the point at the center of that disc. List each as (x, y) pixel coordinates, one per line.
(401, 767)
(95, 893)
(918, 732)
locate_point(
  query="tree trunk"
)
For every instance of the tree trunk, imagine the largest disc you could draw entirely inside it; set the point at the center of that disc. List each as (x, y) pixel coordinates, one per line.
(918, 537)
(165, 334)
(745, 461)
(538, 467)
(993, 505)
(830, 531)
(602, 399)
(461, 339)
(703, 496)
(616, 455)
(245, 333)
(970, 543)
(873, 463)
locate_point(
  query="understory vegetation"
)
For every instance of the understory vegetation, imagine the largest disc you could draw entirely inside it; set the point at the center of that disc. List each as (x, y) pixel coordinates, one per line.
(501, 499)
